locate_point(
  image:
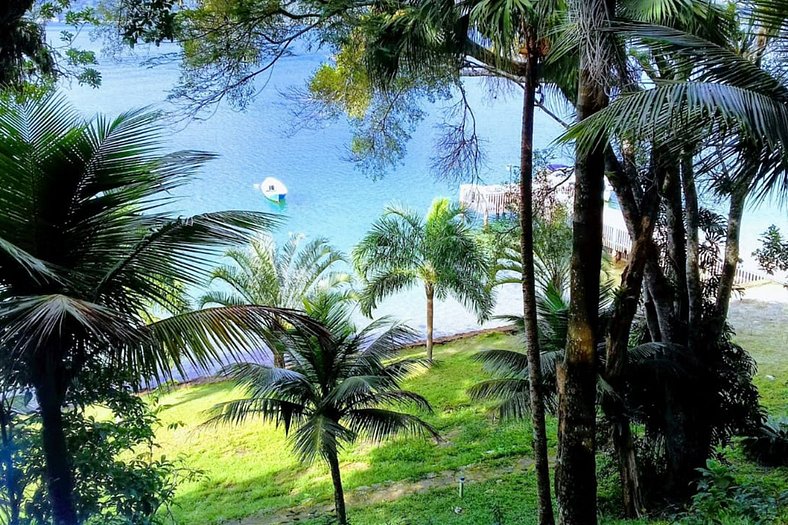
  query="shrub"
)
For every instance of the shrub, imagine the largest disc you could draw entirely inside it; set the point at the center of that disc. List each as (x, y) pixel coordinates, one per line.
(769, 444)
(722, 499)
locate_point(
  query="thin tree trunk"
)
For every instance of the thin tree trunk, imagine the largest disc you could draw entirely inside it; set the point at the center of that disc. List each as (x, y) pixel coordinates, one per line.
(639, 209)
(430, 291)
(651, 316)
(677, 250)
(11, 472)
(59, 477)
(661, 294)
(529, 291)
(692, 225)
(617, 356)
(735, 213)
(575, 478)
(339, 493)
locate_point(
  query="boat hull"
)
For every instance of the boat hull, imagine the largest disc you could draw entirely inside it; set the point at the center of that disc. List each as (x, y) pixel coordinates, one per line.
(276, 197)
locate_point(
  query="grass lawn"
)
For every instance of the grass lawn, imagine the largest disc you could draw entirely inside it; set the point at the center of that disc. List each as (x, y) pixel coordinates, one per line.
(251, 476)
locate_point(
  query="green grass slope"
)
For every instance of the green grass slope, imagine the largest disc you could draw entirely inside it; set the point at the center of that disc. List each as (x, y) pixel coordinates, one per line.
(250, 475)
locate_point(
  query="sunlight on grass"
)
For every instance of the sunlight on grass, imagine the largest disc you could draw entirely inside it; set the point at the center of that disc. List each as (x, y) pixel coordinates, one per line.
(250, 471)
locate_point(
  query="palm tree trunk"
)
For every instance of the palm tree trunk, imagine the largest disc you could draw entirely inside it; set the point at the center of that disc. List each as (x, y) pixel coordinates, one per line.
(676, 247)
(339, 493)
(662, 298)
(639, 214)
(616, 362)
(735, 213)
(430, 291)
(529, 291)
(59, 477)
(692, 225)
(575, 478)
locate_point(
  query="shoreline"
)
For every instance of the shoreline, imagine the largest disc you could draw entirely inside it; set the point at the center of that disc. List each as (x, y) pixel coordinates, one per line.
(766, 292)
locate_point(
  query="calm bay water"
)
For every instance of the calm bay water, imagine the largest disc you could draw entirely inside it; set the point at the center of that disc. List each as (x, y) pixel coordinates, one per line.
(327, 196)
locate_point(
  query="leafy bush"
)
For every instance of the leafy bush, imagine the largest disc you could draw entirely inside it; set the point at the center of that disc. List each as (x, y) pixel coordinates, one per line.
(769, 444)
(120, 478)
(722, 500)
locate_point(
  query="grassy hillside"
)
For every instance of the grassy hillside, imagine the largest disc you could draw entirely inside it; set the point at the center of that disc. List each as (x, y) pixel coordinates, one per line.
(251, 477)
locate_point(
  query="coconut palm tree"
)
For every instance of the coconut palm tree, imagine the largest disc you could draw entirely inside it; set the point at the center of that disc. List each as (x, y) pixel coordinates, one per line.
(439, 250)
(331, 393)
(283, 276)
(87, 248)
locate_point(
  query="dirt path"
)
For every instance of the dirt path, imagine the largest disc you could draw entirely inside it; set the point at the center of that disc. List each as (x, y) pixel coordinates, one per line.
(389, 491)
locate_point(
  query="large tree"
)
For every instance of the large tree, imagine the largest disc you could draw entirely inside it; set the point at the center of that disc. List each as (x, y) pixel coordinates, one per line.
(86, 249)
(28, 58)
(696, 124)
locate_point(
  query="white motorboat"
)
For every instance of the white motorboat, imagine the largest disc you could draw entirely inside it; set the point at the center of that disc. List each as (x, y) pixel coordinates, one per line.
(273, 189)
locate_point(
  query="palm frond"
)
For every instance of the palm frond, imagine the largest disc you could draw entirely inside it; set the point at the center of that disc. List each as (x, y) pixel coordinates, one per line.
(320, 436)
(378, 424)
(205, 337)
(271, 409)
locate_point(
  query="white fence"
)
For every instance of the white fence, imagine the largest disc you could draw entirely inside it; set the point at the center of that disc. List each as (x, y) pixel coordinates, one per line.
(618, 242)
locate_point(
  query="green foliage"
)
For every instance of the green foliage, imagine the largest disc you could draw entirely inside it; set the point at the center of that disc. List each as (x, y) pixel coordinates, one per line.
(148, 21)
(552, 249)
(769, 443)
(705, 81)
(773, 253)
(27, 59)
(344, 85)
(333, 390)
(87, 251)
(121, 477)
(286, 276)
(439, 250)
(721, 499)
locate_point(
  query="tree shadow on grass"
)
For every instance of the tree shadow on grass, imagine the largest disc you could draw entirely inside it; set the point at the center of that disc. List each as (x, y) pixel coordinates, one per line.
(214, 500)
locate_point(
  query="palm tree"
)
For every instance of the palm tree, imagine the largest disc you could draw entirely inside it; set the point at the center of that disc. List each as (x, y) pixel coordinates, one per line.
(283, 276)
(717, 107)
(86, 249)
(438, 250)
(330, 393)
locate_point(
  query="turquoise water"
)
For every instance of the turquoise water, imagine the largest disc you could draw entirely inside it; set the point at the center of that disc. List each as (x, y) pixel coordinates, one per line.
(327, 196)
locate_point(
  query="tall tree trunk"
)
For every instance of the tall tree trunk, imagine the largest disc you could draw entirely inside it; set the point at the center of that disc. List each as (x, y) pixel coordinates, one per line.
(575, 478)
(692, 225)
(59, 477)
(339, 493)
(639, 214)
(731, 261)
(617, 345)
(430, 291)
(676, 246)
(529, 290)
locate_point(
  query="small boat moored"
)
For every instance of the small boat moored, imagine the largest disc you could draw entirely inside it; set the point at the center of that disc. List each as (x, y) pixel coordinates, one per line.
(273, 189)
